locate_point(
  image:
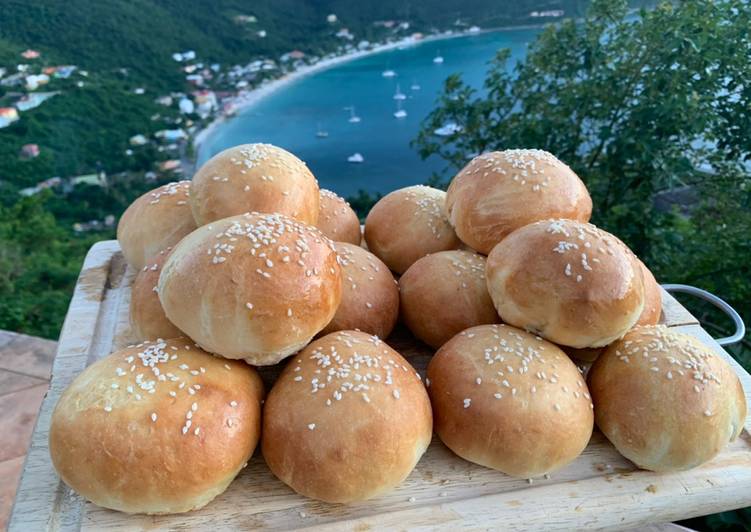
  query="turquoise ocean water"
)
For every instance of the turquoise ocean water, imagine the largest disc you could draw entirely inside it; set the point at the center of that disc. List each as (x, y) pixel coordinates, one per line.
(291, 116)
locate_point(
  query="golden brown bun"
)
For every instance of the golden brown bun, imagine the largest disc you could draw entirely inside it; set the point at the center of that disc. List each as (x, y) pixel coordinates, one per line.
(652, 298)
(444, 293)
(508, 400)
(567, 281)
(370, 296)
(255, 286)
(665, 400)
(155, 221)
(408, 224)
(254, 177)
(147, 318)
(160, 427)
(501, 191)
(347, 419)
(337, 220)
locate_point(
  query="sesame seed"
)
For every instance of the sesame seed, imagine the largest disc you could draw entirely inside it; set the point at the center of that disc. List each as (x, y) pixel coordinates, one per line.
(311, 426)
(396, 394)
(467, 402)
(153, 417)
(233, 404)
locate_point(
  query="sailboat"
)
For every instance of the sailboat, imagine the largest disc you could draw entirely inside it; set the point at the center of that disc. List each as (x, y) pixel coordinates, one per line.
(356, 158)
(388, 73)
(320, 133)
(438, 59)
(399, 95)
(400, 113)
(414, 86)
(353, 118)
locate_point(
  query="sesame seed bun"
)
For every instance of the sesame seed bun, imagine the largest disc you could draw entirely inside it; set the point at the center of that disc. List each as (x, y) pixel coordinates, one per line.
(157, 428)
(500, 191)
(652, 298)
(665, 400)
(254, 177)
(567, 281)
(370, 296)
(508, 400)
(444, 293)
(255, 286)
(337, 220)
(155, 221)
(408, 224)
(147, 318)
(347, 420)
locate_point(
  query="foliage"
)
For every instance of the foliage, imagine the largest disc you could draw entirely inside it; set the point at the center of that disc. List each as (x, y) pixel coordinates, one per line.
(39, 264)
(650, 111)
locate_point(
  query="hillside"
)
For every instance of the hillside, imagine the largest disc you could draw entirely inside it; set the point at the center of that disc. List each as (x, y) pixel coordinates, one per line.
(142, 34)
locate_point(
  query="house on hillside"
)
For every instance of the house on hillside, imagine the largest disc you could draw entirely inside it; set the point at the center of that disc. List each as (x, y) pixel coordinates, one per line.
(34, 81)
(171, 135)
(30, 54)
(261, 34)
(29, 151)
(30, 101)
(245, 19)
(8, 115)
(171, 165)
(99, 180)
(42, 185)
(186, 106)
(344, 33)
(138, 140)
(332, 18)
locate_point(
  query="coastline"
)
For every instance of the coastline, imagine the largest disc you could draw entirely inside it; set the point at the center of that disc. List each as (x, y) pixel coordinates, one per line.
(250, 98)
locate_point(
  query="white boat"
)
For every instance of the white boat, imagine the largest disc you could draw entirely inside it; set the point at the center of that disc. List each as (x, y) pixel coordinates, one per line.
(415, 86)
(474, 29)
(388, 74)
(353, 118)
(321, 133)
(448, 129)
(356, 158)
(438, 59)
(399, 95)
(400, 113)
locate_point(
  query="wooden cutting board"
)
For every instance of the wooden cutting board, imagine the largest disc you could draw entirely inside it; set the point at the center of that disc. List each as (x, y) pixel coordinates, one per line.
(600, 489)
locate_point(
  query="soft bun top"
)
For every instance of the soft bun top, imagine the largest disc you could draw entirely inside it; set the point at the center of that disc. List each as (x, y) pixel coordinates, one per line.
(508, 400)
(370, 295)
(498, 192)
(652, 298)
(347, 419)
(255, 286)
(568, 281)
(147, 318)
(665, 400)
(407, 224)
(337, 220)
(254, 177)
(444, 293)
(155, 221)
(159, 427)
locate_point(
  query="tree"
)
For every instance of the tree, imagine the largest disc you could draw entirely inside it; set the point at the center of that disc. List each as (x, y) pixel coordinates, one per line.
(654, 114)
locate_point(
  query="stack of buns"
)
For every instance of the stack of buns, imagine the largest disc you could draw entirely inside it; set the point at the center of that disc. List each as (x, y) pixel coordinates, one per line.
(251, 264)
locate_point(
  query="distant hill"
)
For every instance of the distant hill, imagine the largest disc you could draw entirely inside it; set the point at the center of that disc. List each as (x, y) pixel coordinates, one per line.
(142, 34)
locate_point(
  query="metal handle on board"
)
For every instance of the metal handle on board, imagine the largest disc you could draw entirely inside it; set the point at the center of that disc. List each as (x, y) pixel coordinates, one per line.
(740, 327)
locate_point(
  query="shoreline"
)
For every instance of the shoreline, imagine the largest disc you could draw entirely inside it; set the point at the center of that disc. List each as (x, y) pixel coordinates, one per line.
(245, 101)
